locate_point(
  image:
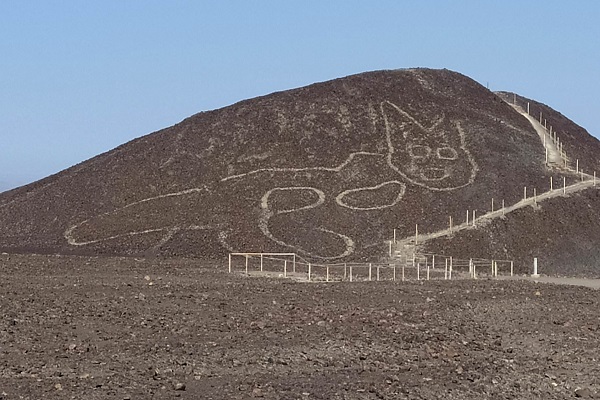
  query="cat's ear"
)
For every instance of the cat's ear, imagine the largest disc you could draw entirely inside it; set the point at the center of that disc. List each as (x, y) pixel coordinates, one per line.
(399, 125)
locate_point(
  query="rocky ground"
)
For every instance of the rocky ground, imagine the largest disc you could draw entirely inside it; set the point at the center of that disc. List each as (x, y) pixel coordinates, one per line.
(125, 328)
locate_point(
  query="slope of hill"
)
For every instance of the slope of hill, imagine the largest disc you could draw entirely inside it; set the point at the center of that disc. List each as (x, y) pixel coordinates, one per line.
(327, 171)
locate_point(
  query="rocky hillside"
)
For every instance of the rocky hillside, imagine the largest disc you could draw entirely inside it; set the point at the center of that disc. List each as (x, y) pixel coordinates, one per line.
(327, 171)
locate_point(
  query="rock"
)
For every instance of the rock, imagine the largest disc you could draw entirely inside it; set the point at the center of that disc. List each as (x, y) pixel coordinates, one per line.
(584, 393)
(257, 392)
(179, 386)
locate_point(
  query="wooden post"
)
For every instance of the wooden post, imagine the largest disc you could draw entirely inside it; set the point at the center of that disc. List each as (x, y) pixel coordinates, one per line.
(246, 264)
(370, 269)
(433, 261)
(309, 271)
(546, 155)
(496, 269)
(564, 185)
(492, 204)
(427, 270)
(416, 233)
(378, 272)
(351, 273)
(285, 268)
(540, 117)
(345, 272)
(551, 184)
(402, 273)
(294, 263)
(545, 124)
(261, 262)
(418, 272)
(594, 178)
(528, 108)
(474, 272)
(450, 271)
(394, 235)
(390, 249)
(229, 262)
(577, 166)
(492, 267)
(511, 268)
(525, 193)
(534, 196)
(535, 268)
(446, 269)
(473, 218)
(394, 273)
(327, 273)
(471, 267)
(467, 217)
(450, 223)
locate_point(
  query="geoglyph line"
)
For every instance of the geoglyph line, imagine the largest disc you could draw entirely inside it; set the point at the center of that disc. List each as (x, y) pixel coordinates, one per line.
(339, 197)
(331, 169)
(74, 242)
(391, 148)
(457, 139)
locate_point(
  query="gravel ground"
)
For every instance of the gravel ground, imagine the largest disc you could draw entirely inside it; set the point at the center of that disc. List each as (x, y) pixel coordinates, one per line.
(125, 328)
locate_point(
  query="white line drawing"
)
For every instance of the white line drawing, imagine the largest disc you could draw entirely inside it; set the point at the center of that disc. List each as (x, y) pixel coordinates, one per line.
(337, 168)
(433, 157)
(340, 197)
(439, 170)
(269, 213)
(265, 199)
(170, 230)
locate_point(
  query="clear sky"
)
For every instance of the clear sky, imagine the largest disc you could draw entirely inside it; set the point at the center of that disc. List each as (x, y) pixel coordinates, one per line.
(78, 78)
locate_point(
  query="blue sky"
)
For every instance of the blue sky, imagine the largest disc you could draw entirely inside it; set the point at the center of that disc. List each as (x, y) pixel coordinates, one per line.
(78, 78)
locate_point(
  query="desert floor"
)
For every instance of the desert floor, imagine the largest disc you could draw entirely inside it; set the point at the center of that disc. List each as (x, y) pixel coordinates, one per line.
(125, 328)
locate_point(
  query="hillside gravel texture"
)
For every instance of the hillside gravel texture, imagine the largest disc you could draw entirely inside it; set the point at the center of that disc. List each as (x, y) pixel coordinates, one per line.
(125, 328)
(550, 230)
(327, 171)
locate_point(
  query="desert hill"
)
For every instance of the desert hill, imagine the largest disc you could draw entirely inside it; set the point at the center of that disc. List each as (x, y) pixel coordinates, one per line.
(327, 171)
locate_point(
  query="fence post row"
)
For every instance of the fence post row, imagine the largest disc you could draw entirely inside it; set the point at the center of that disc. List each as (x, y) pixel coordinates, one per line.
(348, 271)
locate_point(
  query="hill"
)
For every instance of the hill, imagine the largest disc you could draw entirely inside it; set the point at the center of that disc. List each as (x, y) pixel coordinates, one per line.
(327, 171)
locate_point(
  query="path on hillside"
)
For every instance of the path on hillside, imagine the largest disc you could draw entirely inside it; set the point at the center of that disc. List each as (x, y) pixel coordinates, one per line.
(554, 158)
(553, 151)
(585, 282)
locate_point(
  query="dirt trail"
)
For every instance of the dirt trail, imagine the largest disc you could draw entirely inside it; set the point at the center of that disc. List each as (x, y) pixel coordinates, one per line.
(590, 283)
(553, 151)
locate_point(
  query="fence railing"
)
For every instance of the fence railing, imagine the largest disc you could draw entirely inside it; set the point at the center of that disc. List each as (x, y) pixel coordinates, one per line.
(417, 267)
